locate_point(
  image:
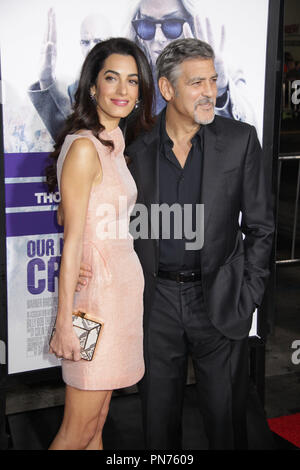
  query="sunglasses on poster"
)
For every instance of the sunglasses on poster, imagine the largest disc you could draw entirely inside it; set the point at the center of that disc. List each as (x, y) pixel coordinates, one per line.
(145, 28)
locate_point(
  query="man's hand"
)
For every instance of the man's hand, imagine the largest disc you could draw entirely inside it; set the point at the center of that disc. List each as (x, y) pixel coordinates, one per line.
(85, 273)
(207, 36)
(48, 53)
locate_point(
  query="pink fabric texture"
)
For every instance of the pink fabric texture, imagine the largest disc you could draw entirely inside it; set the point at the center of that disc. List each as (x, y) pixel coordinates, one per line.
(114, 294)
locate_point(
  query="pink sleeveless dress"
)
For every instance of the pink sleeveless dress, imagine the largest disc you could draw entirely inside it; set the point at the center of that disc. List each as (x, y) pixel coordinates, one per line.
(114, 294)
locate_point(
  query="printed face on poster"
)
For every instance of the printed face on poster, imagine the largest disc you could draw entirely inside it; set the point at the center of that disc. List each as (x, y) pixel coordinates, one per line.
(41, 59)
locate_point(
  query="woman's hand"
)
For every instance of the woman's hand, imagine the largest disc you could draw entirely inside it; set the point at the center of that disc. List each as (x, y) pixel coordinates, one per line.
(65, 344)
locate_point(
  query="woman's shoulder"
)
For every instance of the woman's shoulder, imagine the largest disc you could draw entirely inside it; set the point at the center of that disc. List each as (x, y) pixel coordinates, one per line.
(82, 140)
(81, 159)
(82, 146)
(77, 147)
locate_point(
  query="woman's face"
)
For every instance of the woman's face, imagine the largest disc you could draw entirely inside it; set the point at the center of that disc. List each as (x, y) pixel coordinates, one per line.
(116, 89)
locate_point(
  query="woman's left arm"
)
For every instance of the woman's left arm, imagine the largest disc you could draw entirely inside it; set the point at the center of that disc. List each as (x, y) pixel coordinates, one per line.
(80, 170)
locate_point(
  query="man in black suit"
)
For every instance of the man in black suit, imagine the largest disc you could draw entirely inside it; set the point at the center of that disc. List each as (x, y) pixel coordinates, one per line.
(200, 302)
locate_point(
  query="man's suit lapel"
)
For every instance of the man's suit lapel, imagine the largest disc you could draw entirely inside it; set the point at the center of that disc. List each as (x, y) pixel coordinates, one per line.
(212, 166)
(149, 169)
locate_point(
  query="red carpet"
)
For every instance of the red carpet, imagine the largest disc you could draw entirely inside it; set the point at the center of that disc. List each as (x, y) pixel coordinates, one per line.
(288, 427)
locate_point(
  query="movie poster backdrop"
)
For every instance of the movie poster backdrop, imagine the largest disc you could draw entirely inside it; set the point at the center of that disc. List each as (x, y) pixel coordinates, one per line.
(43, 45)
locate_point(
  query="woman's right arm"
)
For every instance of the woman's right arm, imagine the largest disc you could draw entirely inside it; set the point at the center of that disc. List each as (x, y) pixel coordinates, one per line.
(80, 170)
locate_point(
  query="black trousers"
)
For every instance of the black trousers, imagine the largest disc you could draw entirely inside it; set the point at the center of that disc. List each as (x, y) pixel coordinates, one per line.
(178, 326)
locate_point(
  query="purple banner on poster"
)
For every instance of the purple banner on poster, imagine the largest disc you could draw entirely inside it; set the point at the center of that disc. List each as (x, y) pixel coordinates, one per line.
(32, 223)
(19, 165)
(29, 194)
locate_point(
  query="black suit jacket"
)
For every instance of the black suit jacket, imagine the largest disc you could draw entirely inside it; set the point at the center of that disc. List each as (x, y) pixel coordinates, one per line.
(234, 267)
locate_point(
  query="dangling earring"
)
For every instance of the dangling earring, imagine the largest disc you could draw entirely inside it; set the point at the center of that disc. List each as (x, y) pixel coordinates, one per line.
(93, 98)
(137, 104)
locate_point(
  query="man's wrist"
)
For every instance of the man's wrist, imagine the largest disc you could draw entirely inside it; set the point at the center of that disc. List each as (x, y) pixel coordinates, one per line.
(46, 83)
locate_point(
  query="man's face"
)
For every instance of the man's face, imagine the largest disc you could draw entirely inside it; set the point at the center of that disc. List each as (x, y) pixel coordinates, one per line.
(195, 93)
(160, 22)
(94, 29)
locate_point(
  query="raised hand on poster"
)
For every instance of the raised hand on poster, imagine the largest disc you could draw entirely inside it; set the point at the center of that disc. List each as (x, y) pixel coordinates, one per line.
(48, 53)
(208, 36)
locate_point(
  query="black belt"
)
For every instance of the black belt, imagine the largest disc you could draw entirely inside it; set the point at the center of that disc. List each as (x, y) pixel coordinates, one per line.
(180, 276)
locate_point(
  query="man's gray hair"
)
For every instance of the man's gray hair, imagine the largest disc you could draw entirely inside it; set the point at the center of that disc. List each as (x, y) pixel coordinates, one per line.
(176, 52)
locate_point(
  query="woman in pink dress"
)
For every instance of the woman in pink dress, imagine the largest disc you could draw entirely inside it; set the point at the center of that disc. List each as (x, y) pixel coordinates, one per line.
(97, 195)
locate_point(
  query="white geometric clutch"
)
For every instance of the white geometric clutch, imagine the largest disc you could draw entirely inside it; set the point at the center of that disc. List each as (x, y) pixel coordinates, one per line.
(88, 331)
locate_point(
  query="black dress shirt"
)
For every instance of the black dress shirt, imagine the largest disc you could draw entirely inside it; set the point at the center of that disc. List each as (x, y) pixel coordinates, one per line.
(179, 186)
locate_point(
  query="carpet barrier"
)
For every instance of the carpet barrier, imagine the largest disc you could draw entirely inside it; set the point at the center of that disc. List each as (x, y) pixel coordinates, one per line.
(287, 427)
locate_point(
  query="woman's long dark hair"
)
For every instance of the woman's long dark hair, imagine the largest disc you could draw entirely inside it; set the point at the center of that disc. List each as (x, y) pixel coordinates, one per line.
(85, 114)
